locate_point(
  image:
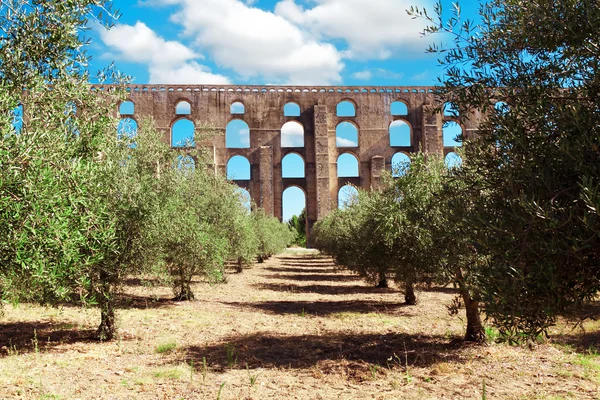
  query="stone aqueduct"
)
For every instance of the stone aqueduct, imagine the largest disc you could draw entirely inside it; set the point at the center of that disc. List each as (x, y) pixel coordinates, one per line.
(265, 117)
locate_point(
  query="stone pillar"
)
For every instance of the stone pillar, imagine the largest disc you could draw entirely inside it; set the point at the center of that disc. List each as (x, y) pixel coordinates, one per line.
(322, 161)
(267, 202)
(377, 168)
(433, 123)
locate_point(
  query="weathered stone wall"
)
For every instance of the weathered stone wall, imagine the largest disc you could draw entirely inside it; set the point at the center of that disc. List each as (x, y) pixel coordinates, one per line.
(265, 117)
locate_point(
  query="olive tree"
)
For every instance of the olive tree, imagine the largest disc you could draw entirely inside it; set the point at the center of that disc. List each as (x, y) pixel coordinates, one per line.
(532, 174)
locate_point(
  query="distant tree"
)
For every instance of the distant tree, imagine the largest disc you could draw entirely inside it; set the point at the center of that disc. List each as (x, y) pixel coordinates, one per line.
(532, 175)
(298, 224)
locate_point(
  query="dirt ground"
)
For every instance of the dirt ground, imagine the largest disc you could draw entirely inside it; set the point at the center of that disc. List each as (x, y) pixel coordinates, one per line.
(291, 328)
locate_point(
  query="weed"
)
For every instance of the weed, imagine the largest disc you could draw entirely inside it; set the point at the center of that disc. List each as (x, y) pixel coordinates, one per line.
(374, 369)
(166, 347)
(302, 313)
(220, 390)
(34, 341)
(204, 369)
(171, 373)
(492, 335)
(483, 391)
(230, 354)
(251, 377)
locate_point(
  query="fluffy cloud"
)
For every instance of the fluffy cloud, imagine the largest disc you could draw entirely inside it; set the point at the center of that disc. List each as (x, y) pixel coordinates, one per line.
(341, 142)
(292, 135)
(168, 61)
(256, 43)
(372, 28)
(369, 74)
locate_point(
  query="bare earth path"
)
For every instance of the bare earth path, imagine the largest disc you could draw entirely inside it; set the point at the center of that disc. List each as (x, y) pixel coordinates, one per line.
(291, 328)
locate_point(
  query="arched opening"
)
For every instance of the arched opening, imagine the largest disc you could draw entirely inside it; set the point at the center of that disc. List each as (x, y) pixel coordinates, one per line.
(453, 160)
(346, 135)
(292, 134)
(400, 164)
(127, 130)
(292, 166)
(127, 108)
(245, 198)
(400, 134)
(183, 108)
(399, 108)
(347, 166)
(182, 133)
(291, 110)
(293, 202)
(237, 135)
(238, 169)
(17, 123)
(450, 110)
(185, 163)
(451, 131)
(347, 196)
(346, 109)
(237, 108)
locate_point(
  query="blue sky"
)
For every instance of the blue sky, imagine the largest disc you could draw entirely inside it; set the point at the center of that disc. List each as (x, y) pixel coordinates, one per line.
(329, 42)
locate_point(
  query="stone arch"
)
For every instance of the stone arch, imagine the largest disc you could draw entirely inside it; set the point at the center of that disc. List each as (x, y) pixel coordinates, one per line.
(347, 195)
(400, 133)
(451, 131)
(346, 134)
(400, 164)
(291, 109)
(399, 108)
(348, 166)
(237, 134)
(182, 133)
(453, 160)
(238, 169)
(293, 201)
(293, 166)
(127, 108)
(346, 108)
(237, 108)
(183, 107)
(292, 134)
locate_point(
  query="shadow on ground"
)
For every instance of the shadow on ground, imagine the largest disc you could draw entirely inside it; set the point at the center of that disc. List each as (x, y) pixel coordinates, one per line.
(314, 277)
(322, 289)
(323, 308)
(129, 301)
(267, 351)
(25, 337)
(307, 270)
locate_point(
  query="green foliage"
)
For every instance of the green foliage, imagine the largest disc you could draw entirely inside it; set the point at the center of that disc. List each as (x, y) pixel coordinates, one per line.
(273, 236)
(532, 175)
(298, 225)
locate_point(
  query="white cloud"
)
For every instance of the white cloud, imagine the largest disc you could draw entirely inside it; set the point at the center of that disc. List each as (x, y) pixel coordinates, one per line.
(292, 135)
(256, 43)
(372, 28)
(365, 75)
(245, 137)
(341, 142)
(169, 62)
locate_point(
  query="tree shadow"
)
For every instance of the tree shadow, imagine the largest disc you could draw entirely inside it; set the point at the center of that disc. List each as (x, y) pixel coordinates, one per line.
(315, 277)
(582, 342)
(307, 258)
(307, 270)
(322, 289)
(262, 350)
(323, 308)
(130, 301)
(307, 265)
(26, 337)
(439, 289)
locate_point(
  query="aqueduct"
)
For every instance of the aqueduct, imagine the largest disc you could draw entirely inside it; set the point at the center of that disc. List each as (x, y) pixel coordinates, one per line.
(372, 112)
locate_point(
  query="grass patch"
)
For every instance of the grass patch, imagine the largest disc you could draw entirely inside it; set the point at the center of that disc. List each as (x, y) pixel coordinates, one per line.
(165, 347)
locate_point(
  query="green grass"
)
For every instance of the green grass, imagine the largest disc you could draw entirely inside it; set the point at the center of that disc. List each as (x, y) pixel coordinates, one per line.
(166, 347)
